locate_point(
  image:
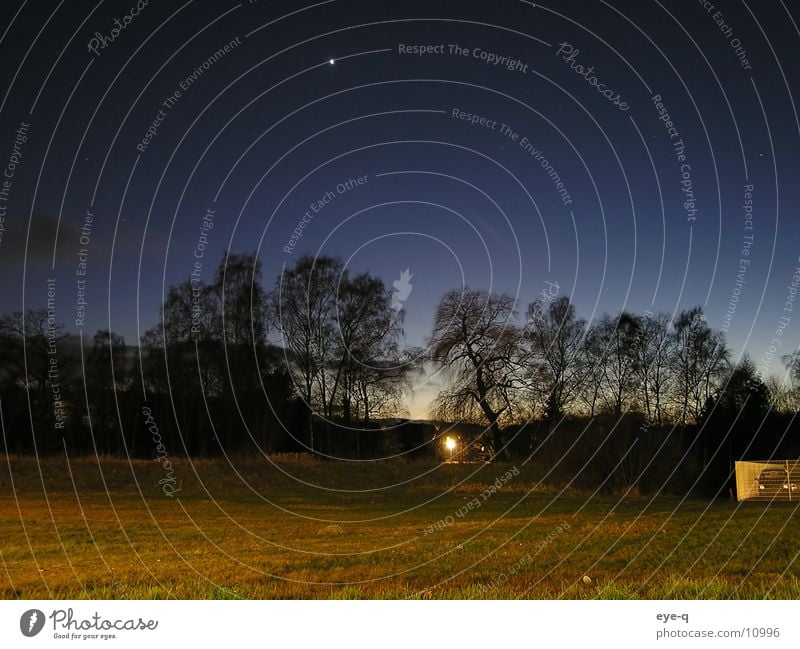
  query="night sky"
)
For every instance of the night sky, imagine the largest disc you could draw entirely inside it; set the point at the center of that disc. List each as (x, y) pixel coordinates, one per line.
(606, 148)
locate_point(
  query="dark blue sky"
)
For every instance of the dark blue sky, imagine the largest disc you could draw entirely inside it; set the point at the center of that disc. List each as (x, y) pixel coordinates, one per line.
(264, 130)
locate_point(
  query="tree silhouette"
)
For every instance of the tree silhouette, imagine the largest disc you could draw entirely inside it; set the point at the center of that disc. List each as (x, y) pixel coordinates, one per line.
(476, 340)
(552, 350)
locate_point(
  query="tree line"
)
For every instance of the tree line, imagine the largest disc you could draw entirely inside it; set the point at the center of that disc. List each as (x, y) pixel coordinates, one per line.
(556, 364)
(313, 364)
(650, 397)
(229, 367)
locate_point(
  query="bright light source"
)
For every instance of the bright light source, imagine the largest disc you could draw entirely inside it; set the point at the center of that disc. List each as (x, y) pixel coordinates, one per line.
(450, 443)
(331, 61)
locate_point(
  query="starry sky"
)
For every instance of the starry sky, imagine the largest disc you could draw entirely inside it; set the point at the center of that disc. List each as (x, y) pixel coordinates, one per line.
(638, 156)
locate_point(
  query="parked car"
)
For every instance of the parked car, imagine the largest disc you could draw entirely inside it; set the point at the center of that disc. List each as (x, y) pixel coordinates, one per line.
(779, 479)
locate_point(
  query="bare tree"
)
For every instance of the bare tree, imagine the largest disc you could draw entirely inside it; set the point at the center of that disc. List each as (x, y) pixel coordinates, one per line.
(382, 385)
(367, 334)
(783, 395)
(304, 307)
(237, 284)
(26, 346)
(653, 349)
(180, 348)
(617, 336)
(342, 337)
(592, 359)
(786, 391)
(699, 359)
(552, 342)
(475, 339)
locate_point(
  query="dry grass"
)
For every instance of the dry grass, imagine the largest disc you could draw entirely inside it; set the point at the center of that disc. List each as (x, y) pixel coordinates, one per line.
(297, 528)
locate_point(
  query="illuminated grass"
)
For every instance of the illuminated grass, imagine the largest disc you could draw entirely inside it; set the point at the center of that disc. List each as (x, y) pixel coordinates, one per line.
(222, 539)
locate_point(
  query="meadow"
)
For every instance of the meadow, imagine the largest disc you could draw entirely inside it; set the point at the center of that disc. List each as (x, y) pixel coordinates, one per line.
(293, 527)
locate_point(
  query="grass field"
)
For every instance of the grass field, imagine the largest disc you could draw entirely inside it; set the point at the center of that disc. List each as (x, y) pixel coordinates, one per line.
(299, 528)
